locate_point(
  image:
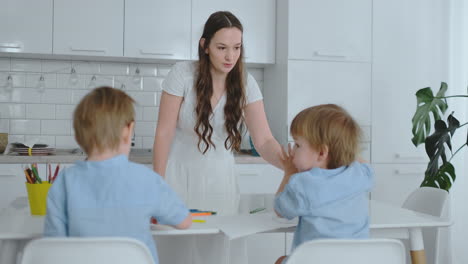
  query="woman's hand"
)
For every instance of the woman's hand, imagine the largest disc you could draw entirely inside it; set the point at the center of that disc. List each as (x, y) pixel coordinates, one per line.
(287, 161)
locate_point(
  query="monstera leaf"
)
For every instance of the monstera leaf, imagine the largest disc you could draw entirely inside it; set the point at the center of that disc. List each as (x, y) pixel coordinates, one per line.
(427, 104)
(435, 143)
(443, 179)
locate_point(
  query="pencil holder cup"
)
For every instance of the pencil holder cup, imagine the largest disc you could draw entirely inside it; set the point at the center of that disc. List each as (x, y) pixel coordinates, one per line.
(37, 196)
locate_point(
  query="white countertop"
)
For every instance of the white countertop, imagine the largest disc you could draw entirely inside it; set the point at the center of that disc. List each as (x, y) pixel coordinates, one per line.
(143, 156)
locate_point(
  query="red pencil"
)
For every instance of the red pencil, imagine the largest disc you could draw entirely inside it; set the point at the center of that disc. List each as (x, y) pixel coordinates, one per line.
(56, 172)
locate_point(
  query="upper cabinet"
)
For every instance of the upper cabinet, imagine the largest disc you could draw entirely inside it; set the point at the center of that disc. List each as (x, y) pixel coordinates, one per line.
(257, 18)
(88, 27)
(157, 29)
(409, 53)
(337, 30)
(26, 26)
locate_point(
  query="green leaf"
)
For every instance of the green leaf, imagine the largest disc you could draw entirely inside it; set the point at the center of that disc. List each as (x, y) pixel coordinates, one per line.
(435, 146)
(427, 104)
(454, 124)
(443, 179)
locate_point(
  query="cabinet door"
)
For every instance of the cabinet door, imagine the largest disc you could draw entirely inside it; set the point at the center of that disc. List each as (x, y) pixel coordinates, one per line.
(394, 182)
(12, 182)
(26, 26)
(88, 27)
(330, 30)
(321, 82)
(157, 29)
(257, 18)
(409, 53)
(258, 178)
(265, 248)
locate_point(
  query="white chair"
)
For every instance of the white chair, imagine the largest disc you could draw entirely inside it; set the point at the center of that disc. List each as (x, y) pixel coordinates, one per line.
(340, 251)
(430, 201)
(89, 250)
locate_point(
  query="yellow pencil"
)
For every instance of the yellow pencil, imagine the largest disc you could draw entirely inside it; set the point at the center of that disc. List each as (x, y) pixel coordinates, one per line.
(198, 221)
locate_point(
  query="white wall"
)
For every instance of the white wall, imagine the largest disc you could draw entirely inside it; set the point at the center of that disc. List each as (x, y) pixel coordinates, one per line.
(459, 80)
(27, 113)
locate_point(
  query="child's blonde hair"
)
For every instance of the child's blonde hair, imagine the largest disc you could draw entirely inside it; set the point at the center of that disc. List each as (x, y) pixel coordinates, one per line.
(99, 118)
(329, 126)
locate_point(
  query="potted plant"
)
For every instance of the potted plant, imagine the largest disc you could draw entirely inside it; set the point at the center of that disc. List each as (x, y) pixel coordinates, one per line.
(440, 173)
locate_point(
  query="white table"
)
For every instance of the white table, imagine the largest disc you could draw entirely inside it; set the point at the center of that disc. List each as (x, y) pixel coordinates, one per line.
(387, 220)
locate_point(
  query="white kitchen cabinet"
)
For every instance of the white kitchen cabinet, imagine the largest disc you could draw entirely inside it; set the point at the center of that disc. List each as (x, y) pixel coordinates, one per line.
(26, 26)
(257, 18)
(394, 182)
(330, 30)
(409, 53)
(158, 29)
(321, 82)
(88, 27)
(12, 182)
(300, 79)
(258, 184)
(258, 178)
(310, 83)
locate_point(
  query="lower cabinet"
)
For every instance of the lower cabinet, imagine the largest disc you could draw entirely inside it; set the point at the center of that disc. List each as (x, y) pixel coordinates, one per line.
(12, 182)
(394, 182)
(258, 184)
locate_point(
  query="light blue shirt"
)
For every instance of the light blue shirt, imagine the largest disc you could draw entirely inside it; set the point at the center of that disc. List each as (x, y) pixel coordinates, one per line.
(329, 203)
(114, 197)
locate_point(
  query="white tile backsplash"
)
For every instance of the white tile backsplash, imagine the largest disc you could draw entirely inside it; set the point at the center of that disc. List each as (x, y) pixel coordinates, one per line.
(25, 65)
(54, 66)
(64, 111)
(4, 125)
(25, 112)
(86, 67)
(65, 142)
(152, 84)
(145, 69)
(25, 127)
(40, 111)
(12, 111)
(32, 80)
(4, 64)
(150, 113)
(56, 96)
(55, 127)
(114, 68)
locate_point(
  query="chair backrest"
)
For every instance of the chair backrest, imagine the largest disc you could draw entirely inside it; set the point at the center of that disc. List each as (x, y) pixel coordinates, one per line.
(427, 200)
(90, 250)
(341, 251)
(432, 201)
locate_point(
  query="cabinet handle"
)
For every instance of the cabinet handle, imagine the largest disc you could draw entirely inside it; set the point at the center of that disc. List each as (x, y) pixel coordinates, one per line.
(88, 50)
(329, 54)
(407, 157)
(155, 53)
(10, 45)
(398, 172)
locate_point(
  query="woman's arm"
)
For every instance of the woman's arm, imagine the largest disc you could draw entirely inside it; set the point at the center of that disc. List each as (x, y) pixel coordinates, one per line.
(168, 113)
(264, 142)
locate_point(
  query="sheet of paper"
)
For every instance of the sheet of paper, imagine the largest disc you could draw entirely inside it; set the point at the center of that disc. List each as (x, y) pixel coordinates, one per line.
(243, 225)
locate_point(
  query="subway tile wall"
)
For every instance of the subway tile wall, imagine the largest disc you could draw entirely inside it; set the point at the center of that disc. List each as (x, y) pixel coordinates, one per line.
(29, 111)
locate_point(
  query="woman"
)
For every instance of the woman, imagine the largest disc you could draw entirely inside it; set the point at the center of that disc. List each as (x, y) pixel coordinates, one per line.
(203, 108)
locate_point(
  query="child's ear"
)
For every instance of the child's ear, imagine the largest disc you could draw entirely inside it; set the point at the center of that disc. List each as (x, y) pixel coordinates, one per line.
(127, 132)
(323, 155)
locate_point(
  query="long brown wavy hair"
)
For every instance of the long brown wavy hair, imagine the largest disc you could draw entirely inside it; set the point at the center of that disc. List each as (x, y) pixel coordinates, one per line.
(235, 88)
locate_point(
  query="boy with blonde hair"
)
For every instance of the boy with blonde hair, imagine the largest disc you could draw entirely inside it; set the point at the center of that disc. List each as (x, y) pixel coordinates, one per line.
(323, 183)
(107, 195)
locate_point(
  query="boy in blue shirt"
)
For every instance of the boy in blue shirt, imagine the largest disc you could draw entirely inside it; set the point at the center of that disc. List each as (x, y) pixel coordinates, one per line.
(323, 184)
(107, 195)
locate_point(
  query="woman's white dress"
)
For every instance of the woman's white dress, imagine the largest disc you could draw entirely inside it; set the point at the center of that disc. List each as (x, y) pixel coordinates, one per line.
(204, 181)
